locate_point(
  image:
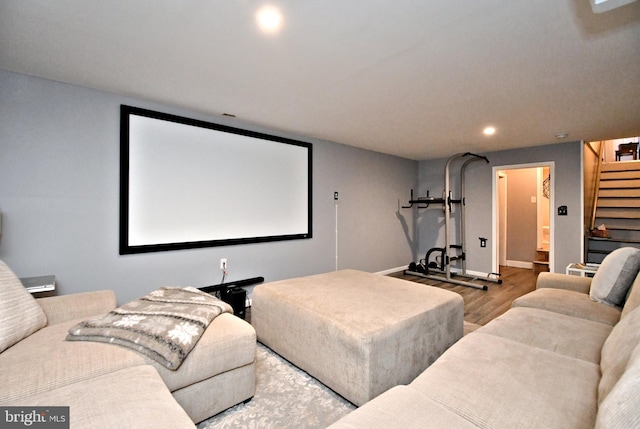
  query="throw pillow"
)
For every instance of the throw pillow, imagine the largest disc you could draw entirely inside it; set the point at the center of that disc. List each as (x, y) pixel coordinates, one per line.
(617, 272)
(632, 301)
(20, 314)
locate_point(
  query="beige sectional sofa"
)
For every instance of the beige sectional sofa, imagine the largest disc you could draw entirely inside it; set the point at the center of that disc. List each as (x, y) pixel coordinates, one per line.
(109, 386)
(556, 359)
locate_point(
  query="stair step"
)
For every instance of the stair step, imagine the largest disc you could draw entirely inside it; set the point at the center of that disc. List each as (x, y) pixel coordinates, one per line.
(618, 208)
(619, 202)
(618, 175)
(617, 213)
(618, 192)
(615, 240)
(619, 224)
(621, 166)
(621, 235)
(620, 183)
(539, 266)
(607, 245)
(542, 255)
(637, 229)
(598, 255)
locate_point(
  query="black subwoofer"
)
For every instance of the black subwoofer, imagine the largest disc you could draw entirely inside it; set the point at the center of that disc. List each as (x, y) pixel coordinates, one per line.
(236, 297)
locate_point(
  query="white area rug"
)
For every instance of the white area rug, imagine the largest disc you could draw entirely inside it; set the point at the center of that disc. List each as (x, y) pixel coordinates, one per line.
(286, 397)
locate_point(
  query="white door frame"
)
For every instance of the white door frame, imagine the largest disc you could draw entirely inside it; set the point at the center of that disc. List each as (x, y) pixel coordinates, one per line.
(495, 263)
(502, 215)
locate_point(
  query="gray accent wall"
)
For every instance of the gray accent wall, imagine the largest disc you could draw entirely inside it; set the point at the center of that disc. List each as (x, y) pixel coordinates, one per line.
(59, 195)
(566, 186)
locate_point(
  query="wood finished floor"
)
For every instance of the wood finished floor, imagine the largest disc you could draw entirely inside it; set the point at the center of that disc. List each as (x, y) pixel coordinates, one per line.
(480, 307)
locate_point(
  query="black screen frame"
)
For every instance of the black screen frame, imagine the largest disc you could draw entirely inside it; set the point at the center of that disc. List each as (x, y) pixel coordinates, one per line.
(126, 248)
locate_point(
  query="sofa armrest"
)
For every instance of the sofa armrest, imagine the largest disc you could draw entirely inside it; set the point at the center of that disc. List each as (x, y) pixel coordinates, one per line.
(62, 308)
(563, 281)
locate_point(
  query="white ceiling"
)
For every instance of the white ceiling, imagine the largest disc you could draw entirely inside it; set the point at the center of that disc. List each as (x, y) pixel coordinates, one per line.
(417, 79)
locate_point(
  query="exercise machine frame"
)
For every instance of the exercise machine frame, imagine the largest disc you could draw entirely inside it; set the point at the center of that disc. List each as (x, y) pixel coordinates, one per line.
(446, 257)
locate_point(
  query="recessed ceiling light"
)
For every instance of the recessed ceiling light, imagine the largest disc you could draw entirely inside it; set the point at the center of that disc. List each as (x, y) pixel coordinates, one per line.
(269, 19)
(489, 131)
(562, 135)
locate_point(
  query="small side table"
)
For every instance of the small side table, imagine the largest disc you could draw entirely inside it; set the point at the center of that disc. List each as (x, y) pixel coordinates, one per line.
(39, 284)
(582, 270)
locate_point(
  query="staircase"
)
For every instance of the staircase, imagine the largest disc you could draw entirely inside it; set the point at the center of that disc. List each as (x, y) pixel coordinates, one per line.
(618, 208)
(541, 263)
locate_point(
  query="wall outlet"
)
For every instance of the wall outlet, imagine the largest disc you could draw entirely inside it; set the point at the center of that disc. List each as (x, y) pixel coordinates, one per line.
(223, 263)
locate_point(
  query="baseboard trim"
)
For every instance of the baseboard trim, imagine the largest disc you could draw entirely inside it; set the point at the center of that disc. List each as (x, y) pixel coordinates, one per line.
(392, 270)
(479, 274)
(520, 264)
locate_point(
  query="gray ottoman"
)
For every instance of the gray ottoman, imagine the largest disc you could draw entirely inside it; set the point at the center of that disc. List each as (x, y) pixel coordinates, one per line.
(358, 333)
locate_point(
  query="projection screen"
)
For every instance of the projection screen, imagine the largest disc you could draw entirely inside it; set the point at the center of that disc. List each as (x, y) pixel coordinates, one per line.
(186, 183)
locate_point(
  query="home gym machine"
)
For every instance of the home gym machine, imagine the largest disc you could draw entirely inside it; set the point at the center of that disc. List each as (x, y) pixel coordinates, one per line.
(444, 256)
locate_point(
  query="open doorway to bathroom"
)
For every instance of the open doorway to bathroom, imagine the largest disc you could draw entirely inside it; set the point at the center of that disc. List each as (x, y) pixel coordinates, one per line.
(523, 225)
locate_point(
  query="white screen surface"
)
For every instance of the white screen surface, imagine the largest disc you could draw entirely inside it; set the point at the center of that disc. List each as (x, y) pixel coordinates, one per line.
(193, 184)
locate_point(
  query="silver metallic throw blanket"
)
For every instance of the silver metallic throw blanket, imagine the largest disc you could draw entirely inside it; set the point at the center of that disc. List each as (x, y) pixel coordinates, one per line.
(164, 325)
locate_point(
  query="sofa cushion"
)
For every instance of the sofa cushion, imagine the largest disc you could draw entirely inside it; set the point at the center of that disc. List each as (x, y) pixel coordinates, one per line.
(571, 303)
(547, 279)
(619, 409)
(616, 351)
(62, 308)
(570, 336)
(20, 314)
(228, 343)
(402, 407)
(129, 398)
(495, 382)
(617, 272)
(45, 361)
(633, 297)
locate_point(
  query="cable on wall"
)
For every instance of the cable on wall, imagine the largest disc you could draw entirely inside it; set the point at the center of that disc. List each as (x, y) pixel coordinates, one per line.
(335, 199)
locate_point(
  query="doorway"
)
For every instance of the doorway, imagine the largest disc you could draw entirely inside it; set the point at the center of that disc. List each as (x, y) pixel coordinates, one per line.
(523, 198)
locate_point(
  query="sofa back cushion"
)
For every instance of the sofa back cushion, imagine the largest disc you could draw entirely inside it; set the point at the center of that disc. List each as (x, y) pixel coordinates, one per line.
(616, 352)
(20, 314)
(620, 408)
(633, 297)
(613, 279)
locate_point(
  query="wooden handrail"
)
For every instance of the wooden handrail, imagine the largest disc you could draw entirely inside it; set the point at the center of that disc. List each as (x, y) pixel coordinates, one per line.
(592, 149)
(596, 187)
